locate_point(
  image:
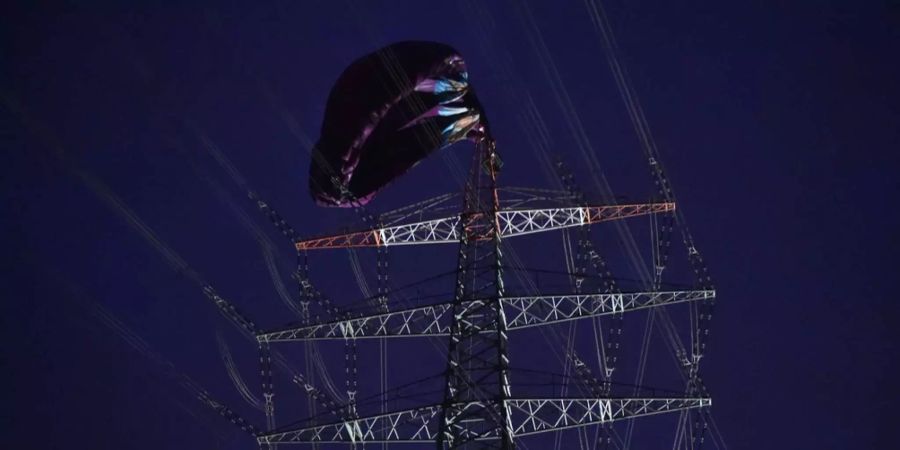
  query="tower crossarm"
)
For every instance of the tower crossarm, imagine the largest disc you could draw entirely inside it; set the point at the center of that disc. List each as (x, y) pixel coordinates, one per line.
(431, 320)
(528, 416)
(532, 416)
(524, 312)
(521, 312)
(512, 222)
(414, 425)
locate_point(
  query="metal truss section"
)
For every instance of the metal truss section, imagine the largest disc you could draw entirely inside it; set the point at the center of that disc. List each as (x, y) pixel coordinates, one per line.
(443, 230)
(528, 417)
(424, 321)
(520, 312)
(477, 362)
(527, 221)
(532, 416)
(523, 312)
(415, 425)
(512, 222)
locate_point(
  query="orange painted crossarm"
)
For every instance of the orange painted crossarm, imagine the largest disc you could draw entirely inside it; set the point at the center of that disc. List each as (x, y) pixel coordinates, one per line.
(605, 213)
(430, 231)
(512, 222)
(349, 240)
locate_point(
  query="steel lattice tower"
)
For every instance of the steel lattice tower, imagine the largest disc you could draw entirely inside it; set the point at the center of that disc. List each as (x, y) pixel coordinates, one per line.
(475, 408)
(479, 409)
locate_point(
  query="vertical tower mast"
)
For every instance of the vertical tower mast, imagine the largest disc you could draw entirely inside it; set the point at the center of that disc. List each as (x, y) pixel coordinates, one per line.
(477, 384)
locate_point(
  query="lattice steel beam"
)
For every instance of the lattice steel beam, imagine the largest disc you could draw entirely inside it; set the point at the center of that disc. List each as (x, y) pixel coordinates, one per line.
(529, 416)
(512, 222)
(521, 312)
(477, 362)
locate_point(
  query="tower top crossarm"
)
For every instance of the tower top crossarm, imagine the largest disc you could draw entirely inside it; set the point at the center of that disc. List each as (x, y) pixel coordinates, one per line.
(512, 223)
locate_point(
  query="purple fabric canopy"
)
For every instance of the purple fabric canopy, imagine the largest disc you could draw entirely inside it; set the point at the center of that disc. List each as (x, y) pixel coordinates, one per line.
(387, 111)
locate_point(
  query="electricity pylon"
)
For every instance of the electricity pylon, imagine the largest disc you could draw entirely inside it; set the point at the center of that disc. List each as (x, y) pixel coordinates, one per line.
(480, 409)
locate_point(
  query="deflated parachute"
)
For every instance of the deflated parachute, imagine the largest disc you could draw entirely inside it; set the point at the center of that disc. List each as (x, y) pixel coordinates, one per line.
(386, 112)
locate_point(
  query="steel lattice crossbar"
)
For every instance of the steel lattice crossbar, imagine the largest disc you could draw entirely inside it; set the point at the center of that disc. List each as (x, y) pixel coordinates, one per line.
(521, 312)
(512, 222)
(528, 416)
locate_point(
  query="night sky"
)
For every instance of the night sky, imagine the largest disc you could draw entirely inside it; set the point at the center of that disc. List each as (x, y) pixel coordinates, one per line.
(132, 134)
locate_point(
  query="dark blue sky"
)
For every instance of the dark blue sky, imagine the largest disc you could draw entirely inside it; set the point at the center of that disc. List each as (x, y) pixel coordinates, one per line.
(778, 125)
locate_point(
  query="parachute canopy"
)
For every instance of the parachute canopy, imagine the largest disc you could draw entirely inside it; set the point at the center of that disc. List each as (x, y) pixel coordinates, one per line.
(387, 111)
